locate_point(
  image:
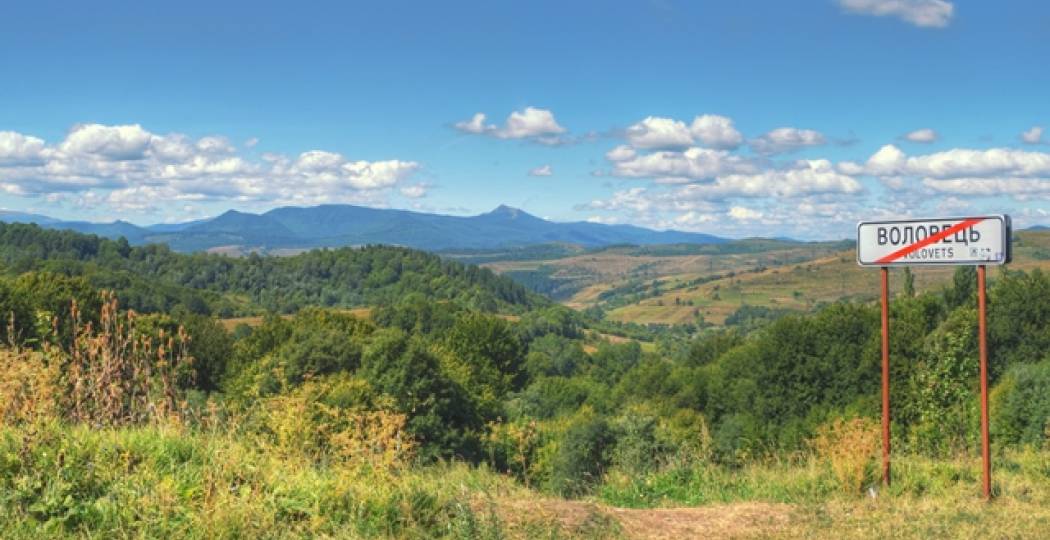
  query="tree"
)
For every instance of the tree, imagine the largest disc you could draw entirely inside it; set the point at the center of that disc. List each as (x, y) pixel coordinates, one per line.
(488, 350)
(1018, 319)
(963, 290)
(909, 283)
(440, 414)
(211, 347)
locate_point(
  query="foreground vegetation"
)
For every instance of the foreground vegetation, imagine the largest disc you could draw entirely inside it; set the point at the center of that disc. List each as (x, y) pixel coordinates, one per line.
(180, 482)
(434, 415)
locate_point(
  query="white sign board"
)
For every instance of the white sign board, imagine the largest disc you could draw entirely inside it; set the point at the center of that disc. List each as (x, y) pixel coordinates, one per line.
(935, 241)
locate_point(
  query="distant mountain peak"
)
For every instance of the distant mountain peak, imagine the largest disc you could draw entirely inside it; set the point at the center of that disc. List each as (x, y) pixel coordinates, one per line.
(348, 225)
(509, 212)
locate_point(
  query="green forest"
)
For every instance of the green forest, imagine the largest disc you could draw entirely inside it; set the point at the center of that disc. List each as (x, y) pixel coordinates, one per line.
(120, 388)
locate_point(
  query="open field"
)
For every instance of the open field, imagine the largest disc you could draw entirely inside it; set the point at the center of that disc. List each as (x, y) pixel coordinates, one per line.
(804, 285)
(589, 273)
(713, 286)
(233, 322)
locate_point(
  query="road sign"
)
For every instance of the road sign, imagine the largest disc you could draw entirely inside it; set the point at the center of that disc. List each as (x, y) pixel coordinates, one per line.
(935, 241)
(978, 241)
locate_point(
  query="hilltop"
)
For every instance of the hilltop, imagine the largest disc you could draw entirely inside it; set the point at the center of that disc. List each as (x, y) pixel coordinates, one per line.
(339, 225)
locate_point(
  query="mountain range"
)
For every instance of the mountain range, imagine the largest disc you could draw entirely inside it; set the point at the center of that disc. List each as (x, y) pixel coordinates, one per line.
(348, 225)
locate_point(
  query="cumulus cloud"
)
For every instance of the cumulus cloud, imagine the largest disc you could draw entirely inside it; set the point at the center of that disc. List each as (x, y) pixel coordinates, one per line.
(742, 213)
(16, 148)
(786, 139)
(128, 168)
(542, 170)
(804, 177)
(921, 13)
(691, 164)
(530, 123)
(955, 163)
(716, 132)
(1019, 188)
(108, 142)
(621, 153)
(710, 130)
(990, 172)
(800, 179)
(925, 136)
(692, 208)
(415, 191)
(655, 132)
(1033, 135)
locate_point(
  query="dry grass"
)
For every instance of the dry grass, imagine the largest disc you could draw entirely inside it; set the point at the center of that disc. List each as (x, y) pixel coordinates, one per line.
(738, 520)
(848, 446)
(107, 375)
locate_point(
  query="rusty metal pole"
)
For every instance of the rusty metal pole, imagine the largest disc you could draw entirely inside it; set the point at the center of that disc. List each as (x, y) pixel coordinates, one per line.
(885, 376)
(982, 329)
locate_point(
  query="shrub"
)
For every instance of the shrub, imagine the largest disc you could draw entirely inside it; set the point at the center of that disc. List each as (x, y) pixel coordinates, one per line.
(849, 448)
(29, 387)
(582, 455)
(1021, 405)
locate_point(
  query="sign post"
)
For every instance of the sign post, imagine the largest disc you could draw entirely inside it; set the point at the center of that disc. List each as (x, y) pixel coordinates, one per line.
(977, 241)
(885, 272)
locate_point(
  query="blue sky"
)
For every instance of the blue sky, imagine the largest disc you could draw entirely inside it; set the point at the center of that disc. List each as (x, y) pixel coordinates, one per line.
(736, 118)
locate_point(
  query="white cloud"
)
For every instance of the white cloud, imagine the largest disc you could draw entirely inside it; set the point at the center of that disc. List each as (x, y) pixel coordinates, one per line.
(16, 148)
(543, 170)
(787, 139)
(741, 213)
(416, 191)
(693, 219)
(251, 143)
(709, 130)
(963, 172)
(689, 165)
(716, 131)
(955, 163)
(127, 142)
(655, 132)
(530, 123)
(476, 124)
(127, 168)
(925, 136)
(604, 220)
(922, 13)
(1033, 135)
(1019, 188)
(621, 153)
(215, 145)
(805, 177)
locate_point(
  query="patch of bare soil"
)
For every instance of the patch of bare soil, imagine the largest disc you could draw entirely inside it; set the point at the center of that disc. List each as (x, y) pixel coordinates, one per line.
(579, 518)
(738, 520)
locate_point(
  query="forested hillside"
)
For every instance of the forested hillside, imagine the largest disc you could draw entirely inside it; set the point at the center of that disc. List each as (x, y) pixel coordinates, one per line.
(154, 278)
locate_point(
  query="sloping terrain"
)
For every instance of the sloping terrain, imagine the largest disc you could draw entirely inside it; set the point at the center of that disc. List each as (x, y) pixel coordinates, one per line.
(345, 225)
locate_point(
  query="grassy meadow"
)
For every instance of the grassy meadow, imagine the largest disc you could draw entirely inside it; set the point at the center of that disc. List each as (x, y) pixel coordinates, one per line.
(219, 481)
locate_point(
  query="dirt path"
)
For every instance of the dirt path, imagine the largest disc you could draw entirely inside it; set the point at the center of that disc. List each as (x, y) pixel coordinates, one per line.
(591, 520)
(740, 520)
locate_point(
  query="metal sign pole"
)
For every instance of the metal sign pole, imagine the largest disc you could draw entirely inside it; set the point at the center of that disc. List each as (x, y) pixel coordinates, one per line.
(885, 376)
(982, 329)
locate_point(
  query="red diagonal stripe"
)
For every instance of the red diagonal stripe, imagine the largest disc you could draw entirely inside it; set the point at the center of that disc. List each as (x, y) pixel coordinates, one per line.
(929, 240)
